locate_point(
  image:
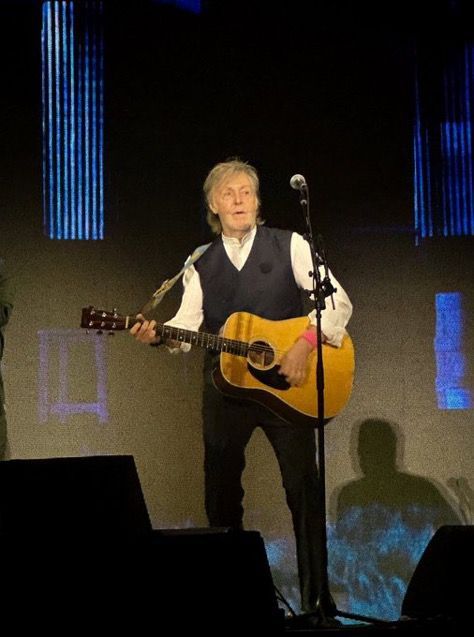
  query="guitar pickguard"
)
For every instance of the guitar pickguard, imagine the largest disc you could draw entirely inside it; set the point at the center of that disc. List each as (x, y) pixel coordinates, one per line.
(269, 377)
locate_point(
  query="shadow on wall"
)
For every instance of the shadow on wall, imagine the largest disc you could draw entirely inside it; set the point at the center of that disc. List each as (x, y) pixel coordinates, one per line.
(383, 521)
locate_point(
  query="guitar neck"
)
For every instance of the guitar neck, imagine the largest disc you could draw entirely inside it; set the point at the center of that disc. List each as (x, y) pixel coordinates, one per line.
(200, 339)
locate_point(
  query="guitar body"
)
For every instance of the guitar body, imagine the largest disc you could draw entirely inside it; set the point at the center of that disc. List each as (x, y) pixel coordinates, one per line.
(256, 377)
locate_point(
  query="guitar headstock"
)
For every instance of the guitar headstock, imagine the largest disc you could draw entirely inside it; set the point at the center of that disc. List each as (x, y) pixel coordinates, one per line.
(100, 320)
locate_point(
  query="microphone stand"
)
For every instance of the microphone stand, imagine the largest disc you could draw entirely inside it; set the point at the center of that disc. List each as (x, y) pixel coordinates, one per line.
(325, 606)
(326, 611)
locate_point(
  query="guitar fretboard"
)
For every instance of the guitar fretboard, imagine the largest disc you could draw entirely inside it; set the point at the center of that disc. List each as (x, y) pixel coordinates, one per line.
(102, 320)
(202, 339)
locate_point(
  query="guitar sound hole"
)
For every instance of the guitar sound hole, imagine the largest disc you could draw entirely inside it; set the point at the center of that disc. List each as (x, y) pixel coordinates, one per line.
(260, 354)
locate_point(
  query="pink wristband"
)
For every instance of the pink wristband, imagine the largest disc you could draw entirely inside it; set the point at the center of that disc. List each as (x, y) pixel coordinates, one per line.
(310, 336)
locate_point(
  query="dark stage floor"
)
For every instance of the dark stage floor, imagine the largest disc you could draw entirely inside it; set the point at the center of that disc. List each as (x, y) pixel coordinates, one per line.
(394, 629)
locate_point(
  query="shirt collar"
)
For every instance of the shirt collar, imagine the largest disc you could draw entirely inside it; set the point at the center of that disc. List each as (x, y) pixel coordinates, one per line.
(233, 241)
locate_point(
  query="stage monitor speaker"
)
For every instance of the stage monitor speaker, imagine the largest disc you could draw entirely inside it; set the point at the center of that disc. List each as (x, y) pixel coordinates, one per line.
(441, 587)
(213, 578)
(72, 498)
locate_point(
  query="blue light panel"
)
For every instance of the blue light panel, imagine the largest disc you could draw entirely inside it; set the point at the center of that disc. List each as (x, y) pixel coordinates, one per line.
(73, 119)
(452, 387)
(194, 6)
(442, 150)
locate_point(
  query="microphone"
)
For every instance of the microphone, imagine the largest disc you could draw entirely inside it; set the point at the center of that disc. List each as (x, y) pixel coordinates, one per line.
(298, 182)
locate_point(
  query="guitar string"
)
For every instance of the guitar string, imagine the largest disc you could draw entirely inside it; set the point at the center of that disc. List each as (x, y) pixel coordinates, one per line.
(232, 343)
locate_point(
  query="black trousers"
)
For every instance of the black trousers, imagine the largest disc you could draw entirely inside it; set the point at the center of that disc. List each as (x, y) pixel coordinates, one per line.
(228, 425)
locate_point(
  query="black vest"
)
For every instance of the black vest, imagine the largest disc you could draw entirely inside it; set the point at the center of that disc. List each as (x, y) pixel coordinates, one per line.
(264, 286)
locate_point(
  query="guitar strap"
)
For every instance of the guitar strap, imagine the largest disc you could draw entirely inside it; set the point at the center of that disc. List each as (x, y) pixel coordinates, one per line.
(166, 286)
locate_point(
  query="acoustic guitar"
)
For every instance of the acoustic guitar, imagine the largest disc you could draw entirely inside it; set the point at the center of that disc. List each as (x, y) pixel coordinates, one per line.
(250, 350)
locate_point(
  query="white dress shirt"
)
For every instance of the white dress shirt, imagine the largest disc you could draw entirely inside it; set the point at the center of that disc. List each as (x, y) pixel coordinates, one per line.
(190, 314)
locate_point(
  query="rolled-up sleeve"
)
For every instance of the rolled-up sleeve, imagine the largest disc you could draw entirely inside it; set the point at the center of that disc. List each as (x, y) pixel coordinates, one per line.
(333, 319)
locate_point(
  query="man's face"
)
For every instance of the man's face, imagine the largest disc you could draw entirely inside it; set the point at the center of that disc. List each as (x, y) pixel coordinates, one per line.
(235, 202)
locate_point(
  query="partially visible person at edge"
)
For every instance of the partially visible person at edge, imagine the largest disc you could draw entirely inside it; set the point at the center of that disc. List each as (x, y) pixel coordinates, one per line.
(254, 268)
(6, 306)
